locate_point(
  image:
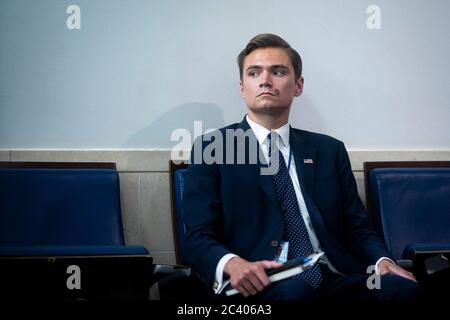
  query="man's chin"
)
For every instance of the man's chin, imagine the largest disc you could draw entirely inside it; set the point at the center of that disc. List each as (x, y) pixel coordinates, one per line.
(269, 110)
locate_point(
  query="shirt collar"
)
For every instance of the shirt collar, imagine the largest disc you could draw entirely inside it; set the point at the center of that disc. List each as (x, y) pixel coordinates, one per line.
(261, 132)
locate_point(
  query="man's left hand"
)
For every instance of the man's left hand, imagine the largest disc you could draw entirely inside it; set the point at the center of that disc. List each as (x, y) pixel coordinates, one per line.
(387, 267)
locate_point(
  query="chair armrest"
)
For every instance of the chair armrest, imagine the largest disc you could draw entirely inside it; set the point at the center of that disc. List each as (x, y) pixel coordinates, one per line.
(405, 264)
(428, 259)
(165, 269)
(415, 248)
(165, 272)
(177, 282)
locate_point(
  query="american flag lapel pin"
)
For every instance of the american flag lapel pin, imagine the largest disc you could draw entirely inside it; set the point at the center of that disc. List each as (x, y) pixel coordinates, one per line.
(310, 161)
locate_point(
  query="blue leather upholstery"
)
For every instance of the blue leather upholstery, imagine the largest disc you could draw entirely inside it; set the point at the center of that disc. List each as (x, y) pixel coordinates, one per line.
(86, 250)
(411, 208)
(178, 282)
(181, 228)
(61, 212)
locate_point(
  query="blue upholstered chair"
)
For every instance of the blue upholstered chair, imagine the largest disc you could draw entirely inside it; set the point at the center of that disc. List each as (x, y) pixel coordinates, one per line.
(177, 173)
(178, 282)
(54, 210)
(409, 204)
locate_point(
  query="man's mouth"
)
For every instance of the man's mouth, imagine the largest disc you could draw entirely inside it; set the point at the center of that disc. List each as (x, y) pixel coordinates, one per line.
(267, 93)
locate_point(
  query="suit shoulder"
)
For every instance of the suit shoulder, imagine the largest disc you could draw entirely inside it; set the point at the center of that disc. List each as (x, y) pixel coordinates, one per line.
(232, 126)
(318, 138)
(222, 130)
(212, 134)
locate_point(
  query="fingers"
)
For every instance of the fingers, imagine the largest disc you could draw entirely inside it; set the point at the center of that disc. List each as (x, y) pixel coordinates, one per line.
(257, 277)
(270, 264)
(248, 285)
(394, 269)
(246, 288)
(261, 277)
(407, 275)
(253, 279)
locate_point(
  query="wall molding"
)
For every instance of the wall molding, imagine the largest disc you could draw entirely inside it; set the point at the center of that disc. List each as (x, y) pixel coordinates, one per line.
(157, 160)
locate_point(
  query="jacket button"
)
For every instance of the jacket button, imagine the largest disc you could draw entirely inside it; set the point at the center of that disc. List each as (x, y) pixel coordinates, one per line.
(274, 243)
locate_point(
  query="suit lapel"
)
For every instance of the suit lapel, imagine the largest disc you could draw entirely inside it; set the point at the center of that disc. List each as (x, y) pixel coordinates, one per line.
(305, 157)
(265, 181)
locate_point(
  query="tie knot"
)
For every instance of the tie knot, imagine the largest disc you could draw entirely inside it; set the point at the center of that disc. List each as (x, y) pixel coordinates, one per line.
(273, 138)
(273, 142)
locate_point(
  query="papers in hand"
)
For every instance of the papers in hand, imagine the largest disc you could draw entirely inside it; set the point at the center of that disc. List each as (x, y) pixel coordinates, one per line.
(289, 269)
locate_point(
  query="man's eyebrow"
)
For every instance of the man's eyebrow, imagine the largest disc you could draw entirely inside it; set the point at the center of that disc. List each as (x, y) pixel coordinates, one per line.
(278, 66)
(275, 66)
(254, 67)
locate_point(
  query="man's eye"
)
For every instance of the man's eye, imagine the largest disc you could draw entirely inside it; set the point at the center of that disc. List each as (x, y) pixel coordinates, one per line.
(279, 72)
(252, 73)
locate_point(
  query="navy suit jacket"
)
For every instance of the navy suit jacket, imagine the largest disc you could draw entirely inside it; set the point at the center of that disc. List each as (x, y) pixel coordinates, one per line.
(232, 208)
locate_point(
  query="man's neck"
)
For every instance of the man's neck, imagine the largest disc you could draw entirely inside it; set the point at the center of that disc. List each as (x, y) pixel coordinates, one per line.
(269, 121)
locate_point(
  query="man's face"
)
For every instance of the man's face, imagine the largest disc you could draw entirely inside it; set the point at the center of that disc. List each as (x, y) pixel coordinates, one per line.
(268, 82)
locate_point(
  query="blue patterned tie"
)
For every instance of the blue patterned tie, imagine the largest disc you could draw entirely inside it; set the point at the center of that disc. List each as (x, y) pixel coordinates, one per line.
(295, 228)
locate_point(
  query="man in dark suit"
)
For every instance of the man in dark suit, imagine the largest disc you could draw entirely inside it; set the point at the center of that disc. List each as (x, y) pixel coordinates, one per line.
(242, 221)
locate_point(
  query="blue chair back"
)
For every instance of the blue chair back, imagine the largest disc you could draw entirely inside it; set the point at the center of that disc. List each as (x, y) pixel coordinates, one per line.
(46, 211)
(177, 173)
(410, 207)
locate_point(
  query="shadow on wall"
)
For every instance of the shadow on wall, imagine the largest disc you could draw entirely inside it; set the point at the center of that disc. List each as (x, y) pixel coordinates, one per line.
(158, 134)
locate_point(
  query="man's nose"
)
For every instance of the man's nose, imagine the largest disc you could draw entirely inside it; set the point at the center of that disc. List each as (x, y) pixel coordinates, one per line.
(266, 80)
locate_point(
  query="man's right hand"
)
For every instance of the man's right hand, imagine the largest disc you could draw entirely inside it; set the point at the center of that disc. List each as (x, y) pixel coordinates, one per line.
(249, 278)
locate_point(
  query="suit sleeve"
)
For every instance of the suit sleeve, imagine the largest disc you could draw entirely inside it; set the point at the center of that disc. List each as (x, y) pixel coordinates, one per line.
(362, 240)
(202, 208)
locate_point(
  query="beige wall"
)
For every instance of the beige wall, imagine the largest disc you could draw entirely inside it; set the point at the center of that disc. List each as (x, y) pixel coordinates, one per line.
(144, 183)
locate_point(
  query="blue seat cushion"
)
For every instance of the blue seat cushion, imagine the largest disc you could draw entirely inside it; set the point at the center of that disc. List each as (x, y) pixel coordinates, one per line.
(48, 251)
(411, 205)
(62, 207)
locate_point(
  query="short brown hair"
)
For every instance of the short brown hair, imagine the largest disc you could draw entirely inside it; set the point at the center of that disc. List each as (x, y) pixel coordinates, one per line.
(269, 40)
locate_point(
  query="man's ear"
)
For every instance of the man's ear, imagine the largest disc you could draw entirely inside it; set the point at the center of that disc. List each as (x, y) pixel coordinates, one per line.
(299, 86)
(241, 86)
